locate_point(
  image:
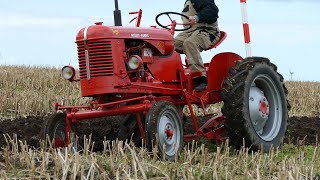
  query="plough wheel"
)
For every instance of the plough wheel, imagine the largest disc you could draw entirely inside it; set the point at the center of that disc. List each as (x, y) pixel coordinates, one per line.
(54, 127)
(129, 130)
(164, 129)
(255, 104)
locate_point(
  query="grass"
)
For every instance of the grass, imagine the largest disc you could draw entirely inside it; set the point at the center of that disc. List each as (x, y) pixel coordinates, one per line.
(121, 160)
(32, 91)
(304, 98)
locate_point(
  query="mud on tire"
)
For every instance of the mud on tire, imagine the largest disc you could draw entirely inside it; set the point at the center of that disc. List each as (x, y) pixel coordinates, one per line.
(255, 104)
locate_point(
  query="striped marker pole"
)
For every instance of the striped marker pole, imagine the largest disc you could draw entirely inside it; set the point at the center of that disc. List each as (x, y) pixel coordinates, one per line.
(245, 23)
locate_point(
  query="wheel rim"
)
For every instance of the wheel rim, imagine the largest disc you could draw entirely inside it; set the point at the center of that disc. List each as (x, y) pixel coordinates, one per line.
(265, 107)
(169, 133)
(59, 135)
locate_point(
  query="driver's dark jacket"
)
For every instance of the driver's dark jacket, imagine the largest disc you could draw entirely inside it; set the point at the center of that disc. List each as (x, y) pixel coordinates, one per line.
(207, 10)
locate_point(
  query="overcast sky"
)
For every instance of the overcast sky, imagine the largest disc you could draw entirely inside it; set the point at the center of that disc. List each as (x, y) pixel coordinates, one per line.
(38, 32)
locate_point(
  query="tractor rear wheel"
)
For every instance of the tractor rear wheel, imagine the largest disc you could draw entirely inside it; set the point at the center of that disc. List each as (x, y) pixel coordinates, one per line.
(164, 129)
(255, 104)
(54, 127)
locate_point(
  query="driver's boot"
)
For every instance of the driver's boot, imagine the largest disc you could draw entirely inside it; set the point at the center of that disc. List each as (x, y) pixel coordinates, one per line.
(201, 83)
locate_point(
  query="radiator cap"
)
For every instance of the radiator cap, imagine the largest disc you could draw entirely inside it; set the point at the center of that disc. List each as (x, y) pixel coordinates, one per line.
(98, 23)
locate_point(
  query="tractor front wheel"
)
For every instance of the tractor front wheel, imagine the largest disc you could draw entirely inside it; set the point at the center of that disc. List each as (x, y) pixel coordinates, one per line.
(54, 127)
(164, 129)
(255, 104)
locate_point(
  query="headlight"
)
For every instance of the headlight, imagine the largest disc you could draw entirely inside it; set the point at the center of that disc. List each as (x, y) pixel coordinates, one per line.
(68, 72)
(134, 62)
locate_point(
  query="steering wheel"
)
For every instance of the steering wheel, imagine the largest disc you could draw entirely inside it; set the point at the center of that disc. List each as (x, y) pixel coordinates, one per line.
(186, 26)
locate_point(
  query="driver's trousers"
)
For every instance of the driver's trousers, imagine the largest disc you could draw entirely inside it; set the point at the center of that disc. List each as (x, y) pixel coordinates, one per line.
(191, 43)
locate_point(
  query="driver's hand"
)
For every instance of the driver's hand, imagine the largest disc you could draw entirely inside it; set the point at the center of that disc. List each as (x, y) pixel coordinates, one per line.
(193, 20)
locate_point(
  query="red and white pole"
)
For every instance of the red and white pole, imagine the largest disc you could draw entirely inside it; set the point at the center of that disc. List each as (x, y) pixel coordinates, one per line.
(245, 23)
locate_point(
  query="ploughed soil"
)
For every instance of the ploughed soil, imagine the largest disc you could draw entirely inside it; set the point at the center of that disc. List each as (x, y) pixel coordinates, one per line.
(301, 130)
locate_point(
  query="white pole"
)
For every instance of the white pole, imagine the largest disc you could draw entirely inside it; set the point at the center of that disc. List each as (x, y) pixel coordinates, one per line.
(245, 23)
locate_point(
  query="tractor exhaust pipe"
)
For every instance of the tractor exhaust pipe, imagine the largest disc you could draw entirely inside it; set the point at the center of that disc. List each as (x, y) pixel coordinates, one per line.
(117, 14)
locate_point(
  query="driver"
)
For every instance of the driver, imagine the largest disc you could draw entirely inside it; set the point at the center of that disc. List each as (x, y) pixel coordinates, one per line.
(203, 15)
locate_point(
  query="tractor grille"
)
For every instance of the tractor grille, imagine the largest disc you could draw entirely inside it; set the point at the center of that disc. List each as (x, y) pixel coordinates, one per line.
(100, 59)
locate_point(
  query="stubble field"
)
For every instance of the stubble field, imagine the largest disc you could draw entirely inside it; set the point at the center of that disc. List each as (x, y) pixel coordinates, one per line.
(27, 94)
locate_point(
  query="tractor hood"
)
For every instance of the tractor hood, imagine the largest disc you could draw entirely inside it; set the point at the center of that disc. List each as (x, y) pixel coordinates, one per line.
(100, 31)
(160, 38)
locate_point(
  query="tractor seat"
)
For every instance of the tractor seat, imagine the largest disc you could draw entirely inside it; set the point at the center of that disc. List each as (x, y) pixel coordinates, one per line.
(223, 36)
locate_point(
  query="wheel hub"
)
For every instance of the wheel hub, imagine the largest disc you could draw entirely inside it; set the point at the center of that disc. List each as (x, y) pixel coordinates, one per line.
(264, 107)
(58, 142)
(259, 108)
(169, 133)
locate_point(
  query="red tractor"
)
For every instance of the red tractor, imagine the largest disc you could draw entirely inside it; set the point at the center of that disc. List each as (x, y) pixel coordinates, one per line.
(135, 72)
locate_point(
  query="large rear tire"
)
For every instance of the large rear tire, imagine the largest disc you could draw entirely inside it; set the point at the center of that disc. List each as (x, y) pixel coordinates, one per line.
(54, 127)
(164, 129)
(255, 104)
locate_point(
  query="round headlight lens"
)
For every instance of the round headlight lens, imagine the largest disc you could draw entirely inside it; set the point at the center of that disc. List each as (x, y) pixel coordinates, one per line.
(68, 72)
(134, 62)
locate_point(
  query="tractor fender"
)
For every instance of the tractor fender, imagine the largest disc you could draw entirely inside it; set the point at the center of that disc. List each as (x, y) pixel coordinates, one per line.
(218, 69)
